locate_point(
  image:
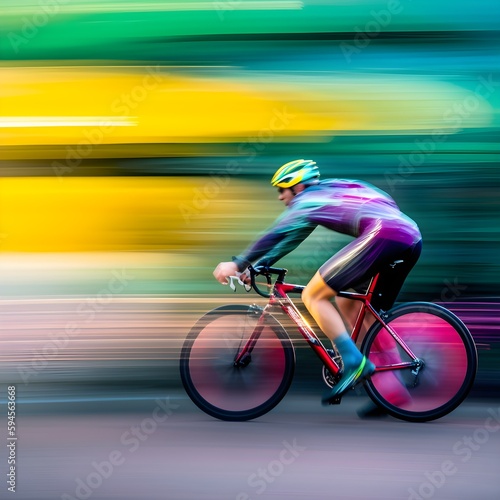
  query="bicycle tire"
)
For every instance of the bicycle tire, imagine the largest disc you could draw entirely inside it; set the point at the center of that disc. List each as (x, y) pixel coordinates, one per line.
(446, 347)
(207, 368)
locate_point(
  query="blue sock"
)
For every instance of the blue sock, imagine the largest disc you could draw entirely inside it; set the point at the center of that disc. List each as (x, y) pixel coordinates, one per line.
(348, 350)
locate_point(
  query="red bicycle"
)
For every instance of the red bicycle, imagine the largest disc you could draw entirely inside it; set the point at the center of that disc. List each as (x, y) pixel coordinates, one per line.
(237, 362)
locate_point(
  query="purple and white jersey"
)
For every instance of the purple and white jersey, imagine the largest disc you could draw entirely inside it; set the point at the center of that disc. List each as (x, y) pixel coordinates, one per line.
(345, 206)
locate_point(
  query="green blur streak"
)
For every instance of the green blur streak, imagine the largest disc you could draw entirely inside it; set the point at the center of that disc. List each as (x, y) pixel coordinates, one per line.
(52, 30)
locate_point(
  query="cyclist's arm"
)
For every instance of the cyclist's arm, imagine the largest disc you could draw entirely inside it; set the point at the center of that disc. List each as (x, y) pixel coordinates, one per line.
(287, 233)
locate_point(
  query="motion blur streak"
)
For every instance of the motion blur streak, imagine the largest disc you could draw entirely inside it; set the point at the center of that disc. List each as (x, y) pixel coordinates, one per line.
(156, 105)
(137, 142)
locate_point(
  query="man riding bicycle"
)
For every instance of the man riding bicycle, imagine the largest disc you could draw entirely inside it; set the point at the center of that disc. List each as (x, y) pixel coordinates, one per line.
(382, 235)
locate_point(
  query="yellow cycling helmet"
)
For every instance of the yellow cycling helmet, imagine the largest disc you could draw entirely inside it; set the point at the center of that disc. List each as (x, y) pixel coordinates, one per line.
(295, 172)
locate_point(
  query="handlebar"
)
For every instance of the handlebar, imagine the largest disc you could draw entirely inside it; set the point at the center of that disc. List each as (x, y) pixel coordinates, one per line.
(267, 272)
(259, 271)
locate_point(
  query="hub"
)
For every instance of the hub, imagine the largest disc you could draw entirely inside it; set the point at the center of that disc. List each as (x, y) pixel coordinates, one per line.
(419, 364)
(245, 360)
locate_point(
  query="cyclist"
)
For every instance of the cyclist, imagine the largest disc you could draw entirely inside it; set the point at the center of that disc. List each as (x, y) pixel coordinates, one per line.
(382, 235)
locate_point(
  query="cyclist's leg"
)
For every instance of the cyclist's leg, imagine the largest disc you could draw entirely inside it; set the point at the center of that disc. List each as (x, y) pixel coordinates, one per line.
(317, 295)
(317, 298)
(354, 264)
(348, 310)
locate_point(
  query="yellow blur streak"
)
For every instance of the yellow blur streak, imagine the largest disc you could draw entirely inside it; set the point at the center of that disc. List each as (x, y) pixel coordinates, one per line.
(180, 215)
(94, 106)
(42, 214)
(159, 107)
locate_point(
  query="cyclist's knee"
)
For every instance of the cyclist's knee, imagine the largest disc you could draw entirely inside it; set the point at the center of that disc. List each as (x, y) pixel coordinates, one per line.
(316, 290)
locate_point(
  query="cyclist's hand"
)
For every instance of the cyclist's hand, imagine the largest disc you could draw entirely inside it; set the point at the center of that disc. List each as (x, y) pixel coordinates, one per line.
(223, 270)
(245, 277)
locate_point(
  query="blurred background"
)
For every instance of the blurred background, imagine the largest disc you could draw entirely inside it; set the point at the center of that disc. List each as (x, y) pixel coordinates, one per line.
(137, 140)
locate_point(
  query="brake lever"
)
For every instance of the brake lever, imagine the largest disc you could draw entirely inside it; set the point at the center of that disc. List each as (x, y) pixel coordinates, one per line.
(238, 280)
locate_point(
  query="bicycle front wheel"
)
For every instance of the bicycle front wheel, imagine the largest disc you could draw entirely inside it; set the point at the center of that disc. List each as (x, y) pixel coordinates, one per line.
(447, 355)
(230, 392)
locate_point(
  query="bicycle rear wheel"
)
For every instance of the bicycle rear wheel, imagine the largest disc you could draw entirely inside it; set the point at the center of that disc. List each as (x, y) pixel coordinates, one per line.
(447, 352)
(230, 392)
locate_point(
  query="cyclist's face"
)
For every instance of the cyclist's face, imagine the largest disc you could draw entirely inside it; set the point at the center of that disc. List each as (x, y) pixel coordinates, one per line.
(285, 195)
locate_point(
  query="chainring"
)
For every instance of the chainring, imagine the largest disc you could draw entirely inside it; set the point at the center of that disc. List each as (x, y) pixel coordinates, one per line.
(328, 378)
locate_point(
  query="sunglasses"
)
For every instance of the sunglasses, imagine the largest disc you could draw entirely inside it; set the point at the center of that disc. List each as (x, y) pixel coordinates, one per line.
(282, 190)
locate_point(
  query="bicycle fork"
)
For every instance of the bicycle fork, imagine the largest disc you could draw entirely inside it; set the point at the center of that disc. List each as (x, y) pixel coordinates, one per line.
(244, 357)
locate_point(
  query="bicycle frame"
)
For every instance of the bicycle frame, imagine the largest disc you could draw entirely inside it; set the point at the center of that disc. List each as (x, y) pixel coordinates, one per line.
(279, 296)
